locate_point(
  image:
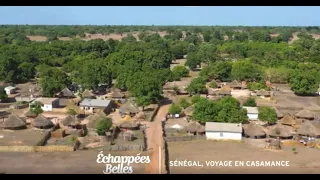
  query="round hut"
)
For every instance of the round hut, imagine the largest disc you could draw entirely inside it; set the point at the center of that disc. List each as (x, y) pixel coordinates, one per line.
(87, 94)
(280, 115)
(189, 111)
(129, 108)
(42, 122)
(141, 115)
(308, 129)
(30, 114)
(14, 123)
(288, 120)
(93, 121)
(305, 114)
(129, 125)
(117, 95)
(281, 131)
(254, 131)
(71, 121)
(195, 128)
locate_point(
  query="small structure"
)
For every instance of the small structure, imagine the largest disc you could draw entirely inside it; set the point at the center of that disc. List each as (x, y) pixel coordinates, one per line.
(71, 121)
(47, 104)
(223, 92)
(140, 116)
(10, 90)
(94, 120)
(305, 114)
(14, 123)
(254, 131)
(117, 95)
(87, 94)
(308, 129)
(235, 85)
(281, 131)
(195, 128)
(129, 108)
(130, 125)
(42, 122)
(288, 120)
(30, 114)
(223, 131)
(263, 93)
(189, 111)
(182, 90)
(279, 113)
(66, 93)
(252, 113)
(91, 105)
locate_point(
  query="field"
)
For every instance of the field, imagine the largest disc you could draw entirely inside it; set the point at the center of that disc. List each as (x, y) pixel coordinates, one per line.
(26, 137)
(78, 162)
(306, 161)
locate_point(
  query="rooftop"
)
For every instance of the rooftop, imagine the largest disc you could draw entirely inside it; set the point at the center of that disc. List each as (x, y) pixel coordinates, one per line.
(251, 110)
(43, 100)
(9, 88)
(95, 103)
(223, 127)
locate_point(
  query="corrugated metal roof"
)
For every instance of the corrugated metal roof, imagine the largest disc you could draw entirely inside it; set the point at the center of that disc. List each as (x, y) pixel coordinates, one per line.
(95, 103)
(223, 127)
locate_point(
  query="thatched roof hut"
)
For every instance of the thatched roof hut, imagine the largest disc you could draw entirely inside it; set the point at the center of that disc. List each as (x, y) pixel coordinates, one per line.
(94, 120)
(308, 129)
(42, 122)
(189, 110)
(235, 84)
(70, 121)
(14, 122)
(254, 131)
(141, 115)
(130, 125)
(223, 92)
(31, 114)
(288, 120)
(87, 94)
(263, 92)
(128, 108)
(281, 131)
(305, 114)
(280, 115)
(66, 93)
(195, 127)
(117, 94)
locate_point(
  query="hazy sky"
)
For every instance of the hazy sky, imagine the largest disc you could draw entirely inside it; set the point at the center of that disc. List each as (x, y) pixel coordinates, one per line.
(162, 15)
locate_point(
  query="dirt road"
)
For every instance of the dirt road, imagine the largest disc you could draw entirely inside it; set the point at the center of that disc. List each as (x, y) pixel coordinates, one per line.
(154, 140)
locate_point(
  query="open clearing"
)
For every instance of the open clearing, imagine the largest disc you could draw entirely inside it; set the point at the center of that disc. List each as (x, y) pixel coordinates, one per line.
(306, 161)
(78, 162)
(26, 137)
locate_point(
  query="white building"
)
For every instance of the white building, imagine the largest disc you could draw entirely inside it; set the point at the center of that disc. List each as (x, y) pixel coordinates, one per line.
(90, 105)
(223, 131)
(47, 104)
(252, 113)
(10, 90)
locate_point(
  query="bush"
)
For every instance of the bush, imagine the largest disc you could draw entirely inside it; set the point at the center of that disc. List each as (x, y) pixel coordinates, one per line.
(213, 85)
(184, 103)
(104, 125)
(251, 102)
(178, 72)
(175, 109)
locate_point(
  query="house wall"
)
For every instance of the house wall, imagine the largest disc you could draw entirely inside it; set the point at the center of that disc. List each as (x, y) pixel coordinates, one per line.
(252, 116)
(55, 103)
(9, 91)
(223, 136)
(47, 107)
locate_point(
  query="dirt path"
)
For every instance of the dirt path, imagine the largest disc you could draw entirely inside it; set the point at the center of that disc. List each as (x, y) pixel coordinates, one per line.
(154, 140)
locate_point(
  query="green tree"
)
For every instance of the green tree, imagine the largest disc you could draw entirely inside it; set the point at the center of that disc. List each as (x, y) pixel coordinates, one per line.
(304, 82)
(245, 70)
(196, 98)
(175, 109)
(36, 108)
(231, 111)
(184, 103)
(193, 60)
(197, 86)
(205, 111)
(267, 114)
(178, 72)
(3, 94)
(213, 84)
(220, 70)
(72, 112)
(207, 53)
(143, 101)
(104, 125)
(253, 86)
(251, 102)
